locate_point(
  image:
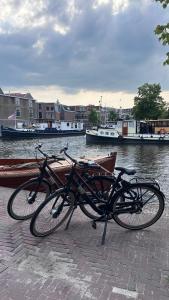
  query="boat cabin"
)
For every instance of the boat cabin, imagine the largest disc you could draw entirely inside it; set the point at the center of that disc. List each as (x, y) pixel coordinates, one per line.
(61, 125)
(131, 127)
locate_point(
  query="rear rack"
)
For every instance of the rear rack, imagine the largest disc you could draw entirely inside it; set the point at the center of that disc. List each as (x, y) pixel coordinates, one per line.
(149, 180)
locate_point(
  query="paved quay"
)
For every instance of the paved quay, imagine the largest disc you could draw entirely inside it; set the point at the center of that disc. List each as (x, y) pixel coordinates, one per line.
(72, 265)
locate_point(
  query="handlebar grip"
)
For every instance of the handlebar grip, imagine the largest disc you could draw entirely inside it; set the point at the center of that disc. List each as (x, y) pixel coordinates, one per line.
(63, 149)
(38, 146)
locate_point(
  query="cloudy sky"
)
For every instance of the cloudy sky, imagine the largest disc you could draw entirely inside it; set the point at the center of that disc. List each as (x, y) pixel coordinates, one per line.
(79, 50)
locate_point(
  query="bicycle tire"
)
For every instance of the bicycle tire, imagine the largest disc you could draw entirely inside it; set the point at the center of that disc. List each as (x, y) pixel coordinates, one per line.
(39, 220)
(19, 206)
(101, 185)
(146, 194)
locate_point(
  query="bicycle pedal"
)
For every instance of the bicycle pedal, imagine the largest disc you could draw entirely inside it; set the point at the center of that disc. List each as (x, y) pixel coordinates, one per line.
(94, 225)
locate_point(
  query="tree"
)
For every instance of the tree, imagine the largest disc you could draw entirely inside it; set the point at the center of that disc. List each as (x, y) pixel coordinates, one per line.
(163, 31)
(113, 115)
(149, 104)
(93, 117)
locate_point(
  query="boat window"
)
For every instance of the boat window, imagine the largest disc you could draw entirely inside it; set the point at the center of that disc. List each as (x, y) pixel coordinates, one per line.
(107, 133)
(131, 123)
(112, 133)
(68, 124)
(101, 132)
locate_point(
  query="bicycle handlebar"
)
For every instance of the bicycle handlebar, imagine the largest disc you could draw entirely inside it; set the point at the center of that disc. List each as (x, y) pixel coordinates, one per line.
(80, 163)
(47, 156)
(64, 150)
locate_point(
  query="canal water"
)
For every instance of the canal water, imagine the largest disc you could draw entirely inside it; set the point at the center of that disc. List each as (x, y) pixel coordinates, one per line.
(148, 160)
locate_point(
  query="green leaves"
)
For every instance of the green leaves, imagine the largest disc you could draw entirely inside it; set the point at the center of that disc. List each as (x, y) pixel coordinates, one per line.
(149, 104)
(163, 2)
(93, 117)
(163, 31)
(113, 116)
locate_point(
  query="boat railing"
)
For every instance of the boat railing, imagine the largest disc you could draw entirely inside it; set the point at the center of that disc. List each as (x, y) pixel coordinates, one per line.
(146, 134)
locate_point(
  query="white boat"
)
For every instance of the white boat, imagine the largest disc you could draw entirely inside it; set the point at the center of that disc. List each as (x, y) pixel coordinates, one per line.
(43, 130)
(125, 132)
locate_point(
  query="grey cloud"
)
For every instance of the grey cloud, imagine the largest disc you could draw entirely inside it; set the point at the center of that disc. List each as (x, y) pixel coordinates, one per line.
(101, 51)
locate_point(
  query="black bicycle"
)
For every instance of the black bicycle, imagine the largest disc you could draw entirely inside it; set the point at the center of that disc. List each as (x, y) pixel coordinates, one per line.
(24, 201)
(133, 206)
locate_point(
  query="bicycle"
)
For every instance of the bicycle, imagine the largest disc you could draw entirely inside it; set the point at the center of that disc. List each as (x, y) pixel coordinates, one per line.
(24, 201)
(122, 199)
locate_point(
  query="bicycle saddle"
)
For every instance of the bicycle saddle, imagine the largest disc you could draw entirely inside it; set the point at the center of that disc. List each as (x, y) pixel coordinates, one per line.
(126, 171)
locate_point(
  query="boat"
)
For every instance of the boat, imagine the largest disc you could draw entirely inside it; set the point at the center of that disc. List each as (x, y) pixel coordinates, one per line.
(14, 172)
(110, 136)
(33, 133)
(127, 132)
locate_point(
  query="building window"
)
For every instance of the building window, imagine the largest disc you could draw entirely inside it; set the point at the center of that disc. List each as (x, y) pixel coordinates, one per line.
(52, 108)
(40, 115)
(30, 113)
(17, 101)
(40, 106)
(47, 108)
(30, 103)
(18, 113)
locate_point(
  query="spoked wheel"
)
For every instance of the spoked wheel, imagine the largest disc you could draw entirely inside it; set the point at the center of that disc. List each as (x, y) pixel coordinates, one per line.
(52, 213)
(140, 206)
(26, 198)
(101, 185)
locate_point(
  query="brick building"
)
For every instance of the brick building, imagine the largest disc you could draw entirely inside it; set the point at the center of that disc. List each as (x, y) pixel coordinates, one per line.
(21, 108)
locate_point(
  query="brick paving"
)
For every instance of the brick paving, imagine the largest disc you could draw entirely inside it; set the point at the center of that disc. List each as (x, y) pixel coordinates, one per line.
(70, 265)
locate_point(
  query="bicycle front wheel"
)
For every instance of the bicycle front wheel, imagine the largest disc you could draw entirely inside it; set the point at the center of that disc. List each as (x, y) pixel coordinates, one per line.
(52, 213)
(26, 198)
(138, 207)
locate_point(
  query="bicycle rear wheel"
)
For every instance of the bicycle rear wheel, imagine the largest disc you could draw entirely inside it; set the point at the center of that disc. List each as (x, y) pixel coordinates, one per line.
(52, 213)
(26, 198)
(138, 207)
(101, 185)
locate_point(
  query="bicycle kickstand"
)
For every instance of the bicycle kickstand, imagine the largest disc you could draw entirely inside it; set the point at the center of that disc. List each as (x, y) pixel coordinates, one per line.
(70, 217)
(104, 231)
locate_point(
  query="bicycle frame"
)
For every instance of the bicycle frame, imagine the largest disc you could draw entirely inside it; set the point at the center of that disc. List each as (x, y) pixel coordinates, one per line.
(75, 179)
(48, 175)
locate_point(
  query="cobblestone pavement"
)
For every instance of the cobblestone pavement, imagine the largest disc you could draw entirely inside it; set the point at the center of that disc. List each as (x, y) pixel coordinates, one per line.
(73, 265)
